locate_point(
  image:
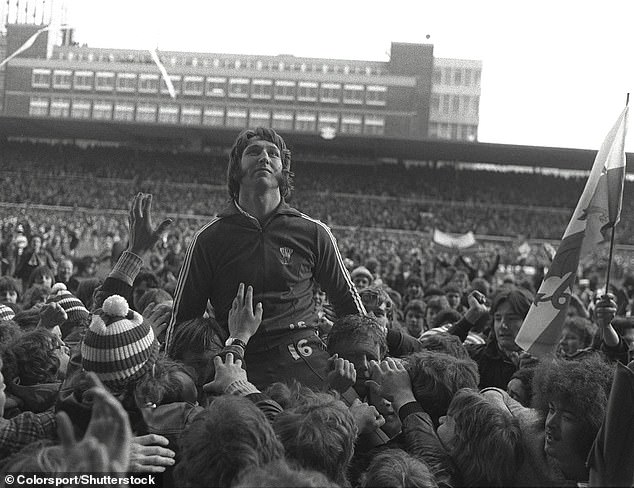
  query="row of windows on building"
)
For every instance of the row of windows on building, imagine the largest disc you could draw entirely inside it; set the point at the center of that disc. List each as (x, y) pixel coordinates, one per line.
(209, 115)
(232, 62)
(444, 103)
(455, 132)
(456, 76)
(211, 86)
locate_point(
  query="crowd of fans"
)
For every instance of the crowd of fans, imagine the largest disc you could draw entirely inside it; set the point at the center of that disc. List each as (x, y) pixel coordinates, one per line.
(428, 389)
(384, 195)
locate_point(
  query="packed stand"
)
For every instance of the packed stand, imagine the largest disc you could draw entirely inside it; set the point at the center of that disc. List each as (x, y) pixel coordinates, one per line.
(385, 195)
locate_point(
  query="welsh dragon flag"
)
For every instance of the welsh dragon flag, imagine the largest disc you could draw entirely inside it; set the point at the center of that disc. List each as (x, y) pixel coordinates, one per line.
(598, 210)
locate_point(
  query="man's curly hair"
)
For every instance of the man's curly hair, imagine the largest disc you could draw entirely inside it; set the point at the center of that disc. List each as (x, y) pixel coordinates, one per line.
(436, 377)
(31, 358)
(351, 327)
(582, 386)
(319, 433)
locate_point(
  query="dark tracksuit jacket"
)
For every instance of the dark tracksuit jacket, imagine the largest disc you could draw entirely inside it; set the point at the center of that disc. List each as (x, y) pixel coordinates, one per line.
(281, 259)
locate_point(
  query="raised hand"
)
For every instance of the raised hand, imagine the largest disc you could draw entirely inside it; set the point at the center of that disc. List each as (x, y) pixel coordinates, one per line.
(391, 380)
(605, 310)
(106, 444)
(109, 424)
(366, 417)
(158, 316)
(604, 313)
(227, 372)
(341, 374)
(477, 307)
(52, 314)
(244, 320)
(142, 234)
(148, 454)
(89, 455)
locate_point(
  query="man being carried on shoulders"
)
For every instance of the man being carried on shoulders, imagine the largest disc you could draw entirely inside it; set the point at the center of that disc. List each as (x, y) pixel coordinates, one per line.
(259, 240)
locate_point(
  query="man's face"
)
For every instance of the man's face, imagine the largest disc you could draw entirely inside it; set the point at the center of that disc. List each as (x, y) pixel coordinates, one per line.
(359, 351)
(45, 280)
(414, 322)
(566, 433)
(570, 342)
(138, 292)
(8, 296)
(65, 269)
(361, 281)
(414, 290)
(37, 243)
(60, 350)
(446, 431)
(454, 299)
(382, 314)
(261, 165)
(517, 391)
(506, 324)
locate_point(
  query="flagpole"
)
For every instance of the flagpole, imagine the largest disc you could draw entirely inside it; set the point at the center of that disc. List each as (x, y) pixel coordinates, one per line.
(607, 278)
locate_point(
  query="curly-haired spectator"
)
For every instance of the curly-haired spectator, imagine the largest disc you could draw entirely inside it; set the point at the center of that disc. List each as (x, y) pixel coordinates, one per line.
(483, 439)
(359, 339)
(319, 434)
(577, 335)
(395, 468)
(447, 343)
(436, 377)
(34, 365)
(35, 295)
(572, 397)
(231, 435)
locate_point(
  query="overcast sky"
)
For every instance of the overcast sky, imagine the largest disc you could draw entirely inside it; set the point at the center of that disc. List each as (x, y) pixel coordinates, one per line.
(555, 72)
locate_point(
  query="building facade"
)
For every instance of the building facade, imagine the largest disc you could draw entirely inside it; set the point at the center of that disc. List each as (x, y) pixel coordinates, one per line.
(402, 97)
(455, 99)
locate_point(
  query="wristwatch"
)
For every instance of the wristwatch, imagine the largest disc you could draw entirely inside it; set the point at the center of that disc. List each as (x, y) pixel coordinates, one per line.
(232, 341)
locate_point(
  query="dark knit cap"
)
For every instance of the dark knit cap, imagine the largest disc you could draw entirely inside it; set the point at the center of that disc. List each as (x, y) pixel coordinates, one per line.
(73, 306)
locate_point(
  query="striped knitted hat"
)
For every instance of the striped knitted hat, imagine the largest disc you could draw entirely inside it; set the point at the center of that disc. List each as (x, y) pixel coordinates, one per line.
(6, 313)
(118, 346)
(73, 306)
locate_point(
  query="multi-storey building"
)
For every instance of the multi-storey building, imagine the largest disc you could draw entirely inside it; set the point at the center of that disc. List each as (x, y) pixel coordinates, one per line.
(455, 99)
(404, 97)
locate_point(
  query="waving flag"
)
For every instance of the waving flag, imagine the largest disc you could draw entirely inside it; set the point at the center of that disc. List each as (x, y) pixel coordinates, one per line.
(598, 210)
(454, 241)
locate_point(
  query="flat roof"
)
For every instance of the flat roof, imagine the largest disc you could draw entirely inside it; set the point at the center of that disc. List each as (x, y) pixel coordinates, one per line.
(170, 136)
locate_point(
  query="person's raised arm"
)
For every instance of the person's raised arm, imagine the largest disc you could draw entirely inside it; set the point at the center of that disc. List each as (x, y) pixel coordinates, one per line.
(477, 309)
(391, 381)
(611, 344)
(143, 236)
(106, 443)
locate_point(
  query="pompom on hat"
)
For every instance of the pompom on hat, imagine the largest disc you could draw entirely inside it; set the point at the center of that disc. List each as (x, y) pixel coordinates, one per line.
(73, 306)
(118, 347)
(6, 313)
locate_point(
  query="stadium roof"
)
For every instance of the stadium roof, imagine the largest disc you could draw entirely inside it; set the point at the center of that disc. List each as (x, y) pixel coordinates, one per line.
(357, 146)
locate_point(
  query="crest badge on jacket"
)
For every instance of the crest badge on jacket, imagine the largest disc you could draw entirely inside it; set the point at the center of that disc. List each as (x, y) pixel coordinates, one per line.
(286, 253)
